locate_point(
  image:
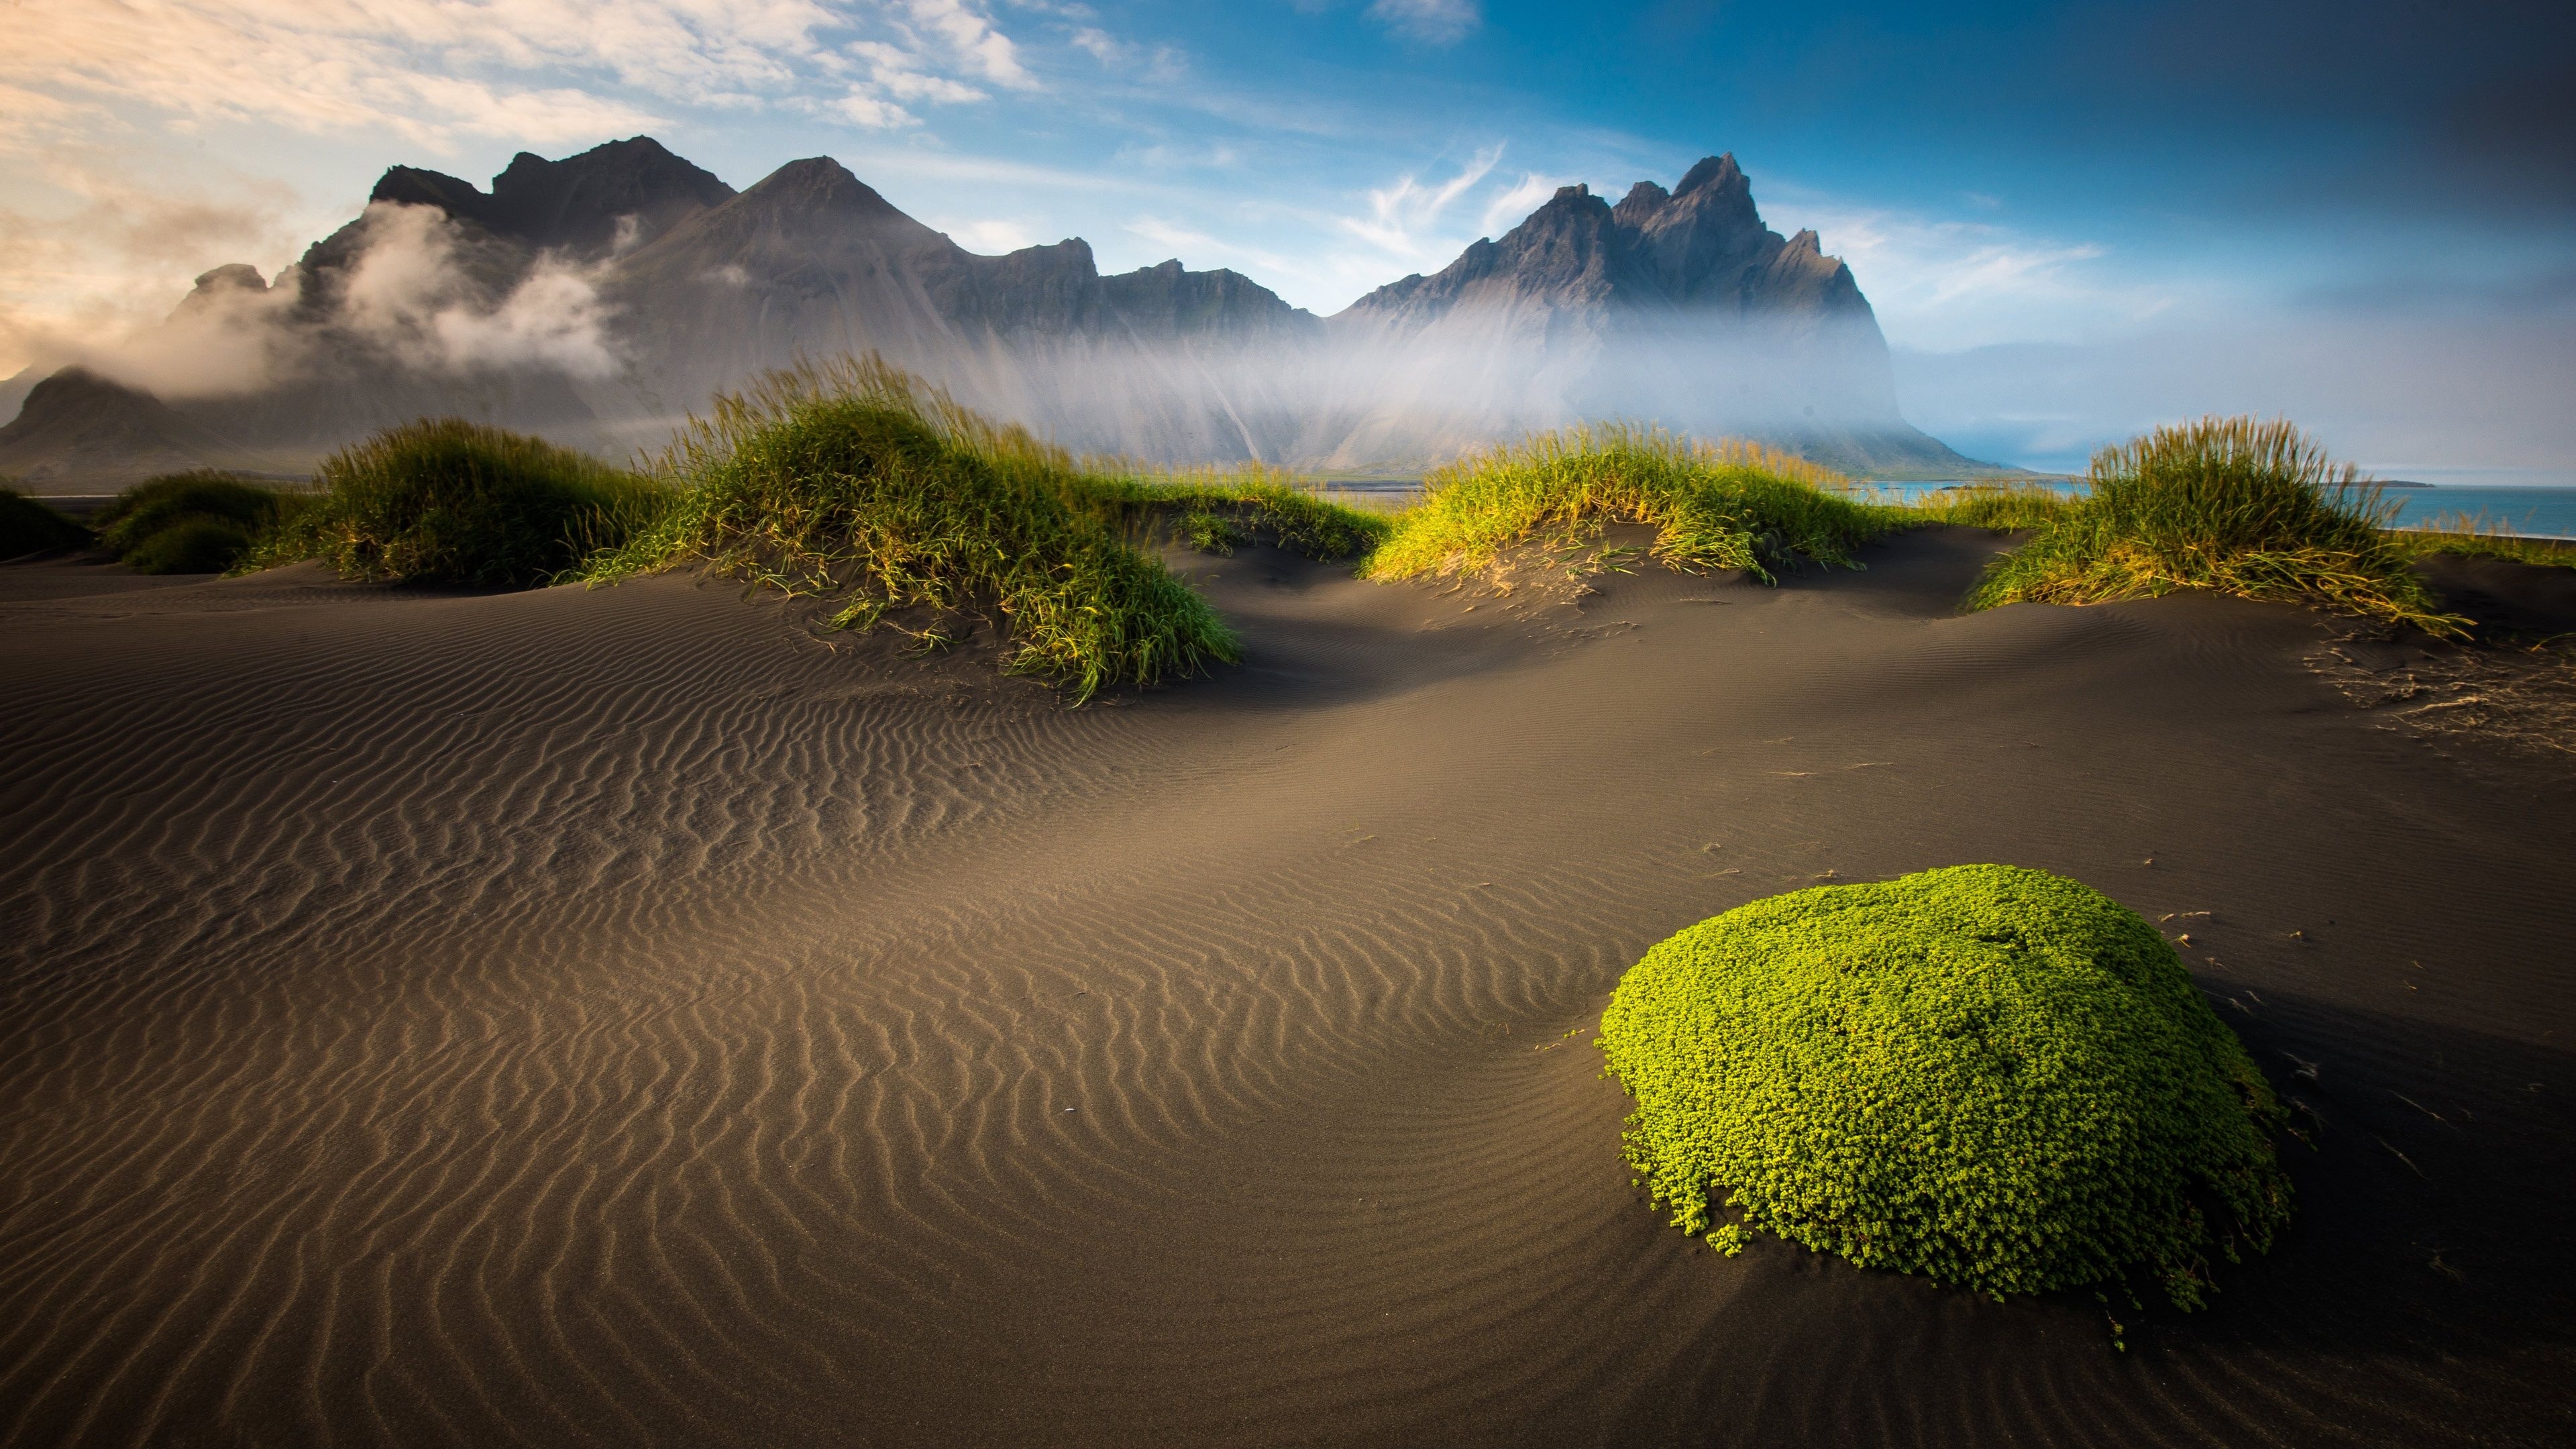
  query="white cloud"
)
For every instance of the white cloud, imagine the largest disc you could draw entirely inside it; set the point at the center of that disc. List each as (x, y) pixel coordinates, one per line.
(874, 113)
(1199, 250)
(1945, 284)
(1436, 22)
(1511, 207)
(1403, 218)
(1104, 47)
(972, 38)
(990, 236)
(533, 71)
(408, 296)
(113, 259)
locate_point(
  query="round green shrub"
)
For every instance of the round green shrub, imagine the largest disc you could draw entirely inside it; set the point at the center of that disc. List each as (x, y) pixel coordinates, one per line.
(196, 544)
(1991, 1076)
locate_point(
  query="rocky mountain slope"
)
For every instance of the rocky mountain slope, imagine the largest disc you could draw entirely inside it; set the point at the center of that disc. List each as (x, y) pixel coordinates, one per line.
(600, 297)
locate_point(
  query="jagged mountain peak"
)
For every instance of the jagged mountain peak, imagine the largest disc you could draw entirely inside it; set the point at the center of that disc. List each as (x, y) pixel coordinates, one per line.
(600, 200)
(1677, 304)
(1713, 171)
(1699, 246)
(610, 195)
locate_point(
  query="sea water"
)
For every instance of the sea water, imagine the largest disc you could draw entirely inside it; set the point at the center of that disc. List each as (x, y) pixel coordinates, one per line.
(2531, 509)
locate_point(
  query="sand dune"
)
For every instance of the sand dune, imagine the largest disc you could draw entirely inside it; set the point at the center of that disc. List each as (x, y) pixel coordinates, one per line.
(619, 1016)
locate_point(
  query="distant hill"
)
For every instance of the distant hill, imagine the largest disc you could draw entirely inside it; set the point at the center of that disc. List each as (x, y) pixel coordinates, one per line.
(600, 297)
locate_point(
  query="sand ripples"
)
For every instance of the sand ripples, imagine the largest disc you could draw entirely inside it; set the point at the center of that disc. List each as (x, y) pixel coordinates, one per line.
(613, 1015)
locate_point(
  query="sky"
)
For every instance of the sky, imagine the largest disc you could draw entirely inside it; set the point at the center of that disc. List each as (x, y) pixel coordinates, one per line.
(2074, 220)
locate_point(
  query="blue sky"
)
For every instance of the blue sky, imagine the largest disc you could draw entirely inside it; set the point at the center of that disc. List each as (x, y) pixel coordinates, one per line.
(2074, 220)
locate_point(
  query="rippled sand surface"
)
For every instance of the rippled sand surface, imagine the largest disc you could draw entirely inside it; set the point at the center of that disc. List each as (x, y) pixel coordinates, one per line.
(617, 1016)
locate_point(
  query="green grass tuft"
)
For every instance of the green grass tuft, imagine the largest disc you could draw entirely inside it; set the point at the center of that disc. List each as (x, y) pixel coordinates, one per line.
(447, 501)
(2002, 507)
(198, 522)
(1216, 511)
(857, 482)
(29, 526)
(1731, 505)
(1991, 1076)
(2475, 537)
(2238, 505)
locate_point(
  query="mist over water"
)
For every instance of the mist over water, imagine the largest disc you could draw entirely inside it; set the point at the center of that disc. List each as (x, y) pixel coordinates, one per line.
(2422, 395)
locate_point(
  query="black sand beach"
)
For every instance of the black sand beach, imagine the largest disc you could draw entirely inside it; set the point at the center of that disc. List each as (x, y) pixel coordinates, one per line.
(616, 1016)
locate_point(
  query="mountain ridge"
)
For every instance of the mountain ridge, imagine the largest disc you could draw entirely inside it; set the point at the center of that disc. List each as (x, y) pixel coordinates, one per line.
(598, 297)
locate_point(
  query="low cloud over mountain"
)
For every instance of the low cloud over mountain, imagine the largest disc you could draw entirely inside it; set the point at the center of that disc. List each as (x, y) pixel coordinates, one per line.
(599, 298)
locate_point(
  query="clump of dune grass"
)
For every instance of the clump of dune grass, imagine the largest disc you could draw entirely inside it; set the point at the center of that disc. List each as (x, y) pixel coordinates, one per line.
(1217, 510)
(29, 526)
(2238, 505)
(444, 500)
(1726, 505)
(2001, 507)
(202, 521)
(2473, 536)
(855, 482)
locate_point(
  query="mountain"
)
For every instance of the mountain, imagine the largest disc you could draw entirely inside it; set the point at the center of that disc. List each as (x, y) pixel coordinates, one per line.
(1700, 248)
(76, 427)
(599, 297)
(812, 262)
(1679, 306)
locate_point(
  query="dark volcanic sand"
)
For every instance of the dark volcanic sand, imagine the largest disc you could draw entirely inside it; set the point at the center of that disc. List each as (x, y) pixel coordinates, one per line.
(614, 1016)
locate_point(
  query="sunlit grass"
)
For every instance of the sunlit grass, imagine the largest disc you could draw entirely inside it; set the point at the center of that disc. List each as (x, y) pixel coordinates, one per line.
(2237, 505)
(2475, 536)
(449, 501)
(856, 482)
(2001, 507)
(1725, 505)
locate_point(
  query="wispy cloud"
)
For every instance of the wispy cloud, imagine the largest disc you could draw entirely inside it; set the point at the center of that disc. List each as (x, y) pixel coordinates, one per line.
(1434, 22)
(1508, 208)
(991, 235)
(1945, 283)
(1404, 218)
(123, 251)
(972, 39)
(532, 71)
(1199, 249)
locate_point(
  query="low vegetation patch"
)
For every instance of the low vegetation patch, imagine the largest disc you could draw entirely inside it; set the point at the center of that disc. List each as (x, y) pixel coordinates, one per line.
(2470, 537)
(199, 522)
(1991, 1076)
(1216, 511)
(28, 526)
(1731, 505)
(448, 501)
(2238, 505)
(2002, 507)
(856, 482)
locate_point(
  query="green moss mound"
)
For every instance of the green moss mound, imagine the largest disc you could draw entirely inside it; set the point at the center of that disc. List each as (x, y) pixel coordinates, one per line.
(2238, 505)
(28, 526)
(443, 500)
(1991, 1076)
(1727, 505)
(199, 522)
(855, 482)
